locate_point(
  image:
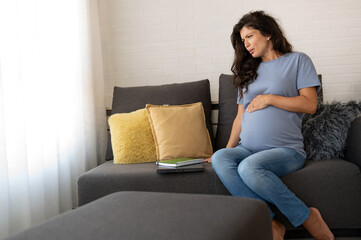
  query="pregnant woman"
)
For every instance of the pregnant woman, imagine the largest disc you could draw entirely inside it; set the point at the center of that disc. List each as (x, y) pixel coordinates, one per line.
(276, 86)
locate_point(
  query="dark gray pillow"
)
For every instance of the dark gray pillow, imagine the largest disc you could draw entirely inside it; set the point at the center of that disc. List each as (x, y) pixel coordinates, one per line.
(228, 109)
(128, 99)
(325, 132)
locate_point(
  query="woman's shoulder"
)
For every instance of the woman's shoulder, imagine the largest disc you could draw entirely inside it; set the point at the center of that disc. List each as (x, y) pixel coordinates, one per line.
(298, 55)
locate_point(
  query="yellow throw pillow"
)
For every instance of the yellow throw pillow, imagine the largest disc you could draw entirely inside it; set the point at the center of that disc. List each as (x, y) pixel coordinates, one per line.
(132, 139)
(179, 131)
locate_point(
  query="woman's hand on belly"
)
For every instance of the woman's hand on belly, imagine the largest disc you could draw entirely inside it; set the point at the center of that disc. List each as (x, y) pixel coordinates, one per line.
(258, 103)
(306, 102)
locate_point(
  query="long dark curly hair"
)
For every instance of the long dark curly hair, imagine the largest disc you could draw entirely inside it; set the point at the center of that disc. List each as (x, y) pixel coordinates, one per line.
(244, 66)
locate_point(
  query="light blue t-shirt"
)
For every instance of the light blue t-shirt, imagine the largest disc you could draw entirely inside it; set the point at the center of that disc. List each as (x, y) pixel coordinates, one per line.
(273, 127)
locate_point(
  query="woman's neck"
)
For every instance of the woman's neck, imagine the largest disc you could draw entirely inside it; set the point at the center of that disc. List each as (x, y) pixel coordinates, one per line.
(271, 55)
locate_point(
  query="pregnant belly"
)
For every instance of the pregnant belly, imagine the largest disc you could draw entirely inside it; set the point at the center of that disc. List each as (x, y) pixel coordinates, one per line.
(267, 128)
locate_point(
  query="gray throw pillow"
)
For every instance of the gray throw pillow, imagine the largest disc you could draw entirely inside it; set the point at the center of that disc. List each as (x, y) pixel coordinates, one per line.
(128, 99)
(325, 132)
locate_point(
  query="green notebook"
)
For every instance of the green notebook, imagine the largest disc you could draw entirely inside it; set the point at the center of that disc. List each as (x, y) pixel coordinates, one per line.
(178, 162)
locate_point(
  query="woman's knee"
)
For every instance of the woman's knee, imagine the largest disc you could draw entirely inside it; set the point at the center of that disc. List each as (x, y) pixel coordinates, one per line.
(248, 171)
(222, 157)
(244, 169)
(216, 157)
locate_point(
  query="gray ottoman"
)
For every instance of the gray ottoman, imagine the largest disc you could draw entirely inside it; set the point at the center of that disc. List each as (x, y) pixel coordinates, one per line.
(151, 215)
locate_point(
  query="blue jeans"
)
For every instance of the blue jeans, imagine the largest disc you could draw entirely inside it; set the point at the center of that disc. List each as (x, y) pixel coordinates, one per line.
(257, 175)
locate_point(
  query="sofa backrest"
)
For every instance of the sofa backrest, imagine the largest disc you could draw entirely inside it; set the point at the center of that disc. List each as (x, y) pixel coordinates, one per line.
(227, 110)
(353, 143)
(128, 99)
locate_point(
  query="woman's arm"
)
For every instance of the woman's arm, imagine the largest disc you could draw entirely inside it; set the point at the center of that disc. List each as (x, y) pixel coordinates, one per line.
(306, 102)
(236, 128)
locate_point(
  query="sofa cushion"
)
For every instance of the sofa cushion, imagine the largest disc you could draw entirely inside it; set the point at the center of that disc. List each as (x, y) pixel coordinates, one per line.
(179, 131)
(132, 138)
(128, 99)
(333, 186)
(109, 178)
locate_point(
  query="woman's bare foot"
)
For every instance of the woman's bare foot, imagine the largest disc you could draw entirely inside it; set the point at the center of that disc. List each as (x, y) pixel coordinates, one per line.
(278, 230)
(317, 227)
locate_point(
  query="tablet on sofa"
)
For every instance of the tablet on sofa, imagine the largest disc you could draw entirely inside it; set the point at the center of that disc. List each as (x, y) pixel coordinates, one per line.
(188, 168)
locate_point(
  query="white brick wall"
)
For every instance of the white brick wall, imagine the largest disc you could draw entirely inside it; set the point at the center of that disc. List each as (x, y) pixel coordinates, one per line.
(151, 42)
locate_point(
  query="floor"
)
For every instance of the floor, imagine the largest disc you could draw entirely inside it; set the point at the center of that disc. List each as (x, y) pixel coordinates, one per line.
(347, 235)
(341, 238)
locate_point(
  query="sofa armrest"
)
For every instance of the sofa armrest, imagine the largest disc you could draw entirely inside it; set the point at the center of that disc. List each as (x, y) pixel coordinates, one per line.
(353, 143)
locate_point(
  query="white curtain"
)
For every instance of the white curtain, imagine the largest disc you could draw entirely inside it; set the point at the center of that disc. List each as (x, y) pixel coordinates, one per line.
(52, 111)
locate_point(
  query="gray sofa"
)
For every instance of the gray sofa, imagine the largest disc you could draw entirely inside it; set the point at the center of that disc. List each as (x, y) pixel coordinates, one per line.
(331, 185)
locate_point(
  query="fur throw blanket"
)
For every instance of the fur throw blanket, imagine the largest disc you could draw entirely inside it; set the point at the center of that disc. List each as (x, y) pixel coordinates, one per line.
(325, 132)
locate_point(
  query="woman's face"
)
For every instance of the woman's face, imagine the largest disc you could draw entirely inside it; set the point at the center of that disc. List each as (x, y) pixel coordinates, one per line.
(255, 43)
